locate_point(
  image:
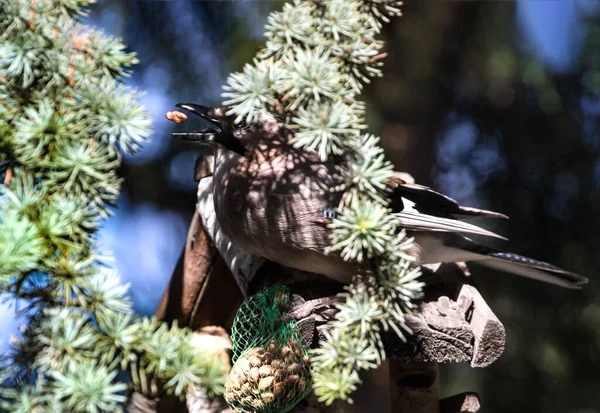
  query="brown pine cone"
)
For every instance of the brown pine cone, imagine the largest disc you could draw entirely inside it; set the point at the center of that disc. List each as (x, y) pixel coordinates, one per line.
(265, 379)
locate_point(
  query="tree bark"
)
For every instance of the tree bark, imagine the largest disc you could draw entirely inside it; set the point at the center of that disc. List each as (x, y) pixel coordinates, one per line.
(415, 387)
(200, 273)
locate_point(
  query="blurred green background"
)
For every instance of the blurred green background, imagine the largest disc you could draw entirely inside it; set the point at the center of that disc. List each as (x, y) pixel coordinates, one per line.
(495, 103)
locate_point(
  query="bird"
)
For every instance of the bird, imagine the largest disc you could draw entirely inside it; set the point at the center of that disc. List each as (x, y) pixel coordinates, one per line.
(275, 200)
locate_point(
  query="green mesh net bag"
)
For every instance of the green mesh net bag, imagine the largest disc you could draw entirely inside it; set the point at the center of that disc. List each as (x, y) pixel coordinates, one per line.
(271, 373)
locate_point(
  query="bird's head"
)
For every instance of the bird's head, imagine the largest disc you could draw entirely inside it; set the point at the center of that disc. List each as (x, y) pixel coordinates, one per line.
(220, 132)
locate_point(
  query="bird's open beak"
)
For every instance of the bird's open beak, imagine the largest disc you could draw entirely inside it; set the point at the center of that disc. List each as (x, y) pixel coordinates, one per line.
(203, 135)
(202, 112)
(216, 132)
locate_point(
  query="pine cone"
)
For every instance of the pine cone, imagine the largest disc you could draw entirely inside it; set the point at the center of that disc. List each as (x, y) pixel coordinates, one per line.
(269, 378)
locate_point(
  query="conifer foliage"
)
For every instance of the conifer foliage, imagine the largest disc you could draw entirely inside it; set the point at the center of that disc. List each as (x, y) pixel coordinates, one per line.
(317, 58)
(65, 118)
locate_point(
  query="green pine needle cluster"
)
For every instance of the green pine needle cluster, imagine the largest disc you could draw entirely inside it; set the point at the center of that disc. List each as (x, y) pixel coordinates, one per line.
(317, 58)
(65, 118)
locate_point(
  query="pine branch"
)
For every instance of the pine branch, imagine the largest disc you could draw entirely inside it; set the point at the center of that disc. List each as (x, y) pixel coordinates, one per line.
(65, 117)
(317, 58)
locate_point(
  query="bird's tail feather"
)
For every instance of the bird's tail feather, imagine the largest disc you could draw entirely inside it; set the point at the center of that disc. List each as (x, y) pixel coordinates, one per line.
(525, 267)
(450, 247)
(552, 277)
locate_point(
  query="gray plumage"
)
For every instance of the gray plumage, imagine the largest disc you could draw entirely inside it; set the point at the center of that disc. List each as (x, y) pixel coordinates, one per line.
(270, 199)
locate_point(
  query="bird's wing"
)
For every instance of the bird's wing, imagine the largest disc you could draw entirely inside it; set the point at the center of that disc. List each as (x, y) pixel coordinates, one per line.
(411, 218)
(420, 208)
(429, 201)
